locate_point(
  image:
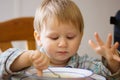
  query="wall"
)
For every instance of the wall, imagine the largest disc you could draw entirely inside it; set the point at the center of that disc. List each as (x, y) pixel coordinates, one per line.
(96, 14)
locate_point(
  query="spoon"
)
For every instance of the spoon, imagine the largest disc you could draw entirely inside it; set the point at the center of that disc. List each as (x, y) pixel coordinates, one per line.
(54, 73)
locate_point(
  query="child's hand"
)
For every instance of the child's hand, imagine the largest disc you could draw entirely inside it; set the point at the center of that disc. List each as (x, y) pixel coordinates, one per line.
(40, 61)
(107, 50)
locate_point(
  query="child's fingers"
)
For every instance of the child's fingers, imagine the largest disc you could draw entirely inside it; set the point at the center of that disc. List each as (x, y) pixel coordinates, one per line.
(115, 54)
(42, 64)
(98, 39)
(109, 41)
(39, 59)
(114, 47)
(45, 62)
(92, 44)
(97, 48)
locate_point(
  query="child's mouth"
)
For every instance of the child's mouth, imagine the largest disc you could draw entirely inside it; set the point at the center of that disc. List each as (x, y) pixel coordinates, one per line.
(62, 52)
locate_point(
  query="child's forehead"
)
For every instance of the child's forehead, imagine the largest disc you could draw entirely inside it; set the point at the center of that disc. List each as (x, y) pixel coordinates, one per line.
(57, 22)
(60, 27)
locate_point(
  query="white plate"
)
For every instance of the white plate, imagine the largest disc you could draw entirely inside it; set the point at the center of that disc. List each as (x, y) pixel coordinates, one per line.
(67, 72)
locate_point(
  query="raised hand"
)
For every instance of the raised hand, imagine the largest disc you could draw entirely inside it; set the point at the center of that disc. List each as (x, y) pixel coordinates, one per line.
(40, 61)
(107, 50)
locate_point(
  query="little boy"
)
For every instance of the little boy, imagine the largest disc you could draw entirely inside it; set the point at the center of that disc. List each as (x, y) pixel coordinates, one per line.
(58, 31)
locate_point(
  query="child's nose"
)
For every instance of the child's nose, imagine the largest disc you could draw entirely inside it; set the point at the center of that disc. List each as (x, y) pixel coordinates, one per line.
(62, 43)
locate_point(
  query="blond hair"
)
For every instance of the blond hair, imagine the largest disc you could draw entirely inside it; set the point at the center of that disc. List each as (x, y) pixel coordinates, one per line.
(64, 10)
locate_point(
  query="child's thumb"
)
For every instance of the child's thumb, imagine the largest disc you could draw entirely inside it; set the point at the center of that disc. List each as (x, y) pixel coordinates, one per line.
(39, 72)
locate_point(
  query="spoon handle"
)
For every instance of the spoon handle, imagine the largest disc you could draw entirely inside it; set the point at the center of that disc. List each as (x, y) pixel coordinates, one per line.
(54, 73)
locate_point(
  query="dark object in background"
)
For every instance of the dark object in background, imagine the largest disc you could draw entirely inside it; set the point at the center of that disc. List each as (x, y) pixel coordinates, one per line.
(116, 21)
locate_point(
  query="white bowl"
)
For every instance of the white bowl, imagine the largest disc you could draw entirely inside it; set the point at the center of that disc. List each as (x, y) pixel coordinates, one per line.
(67, 72)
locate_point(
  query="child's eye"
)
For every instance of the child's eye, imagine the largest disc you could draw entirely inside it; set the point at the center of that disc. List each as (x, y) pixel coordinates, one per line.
(72, 37)
(54, 38)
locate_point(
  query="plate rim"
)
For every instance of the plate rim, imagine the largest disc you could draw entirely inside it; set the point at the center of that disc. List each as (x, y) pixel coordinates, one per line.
(74, 70)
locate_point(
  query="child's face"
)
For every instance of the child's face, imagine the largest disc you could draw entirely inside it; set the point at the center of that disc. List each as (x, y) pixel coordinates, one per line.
(60, 41)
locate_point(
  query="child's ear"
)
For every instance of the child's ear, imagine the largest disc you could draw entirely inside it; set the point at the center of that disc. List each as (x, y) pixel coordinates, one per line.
(37, 38)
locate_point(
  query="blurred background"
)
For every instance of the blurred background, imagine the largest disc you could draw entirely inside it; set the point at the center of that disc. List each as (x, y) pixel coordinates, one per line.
(96, 14)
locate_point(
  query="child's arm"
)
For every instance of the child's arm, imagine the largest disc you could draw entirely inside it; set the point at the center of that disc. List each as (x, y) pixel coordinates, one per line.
(108, 51)
(28, 58)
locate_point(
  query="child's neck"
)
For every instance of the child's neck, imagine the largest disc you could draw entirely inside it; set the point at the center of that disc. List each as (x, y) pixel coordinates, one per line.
(58, 64)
